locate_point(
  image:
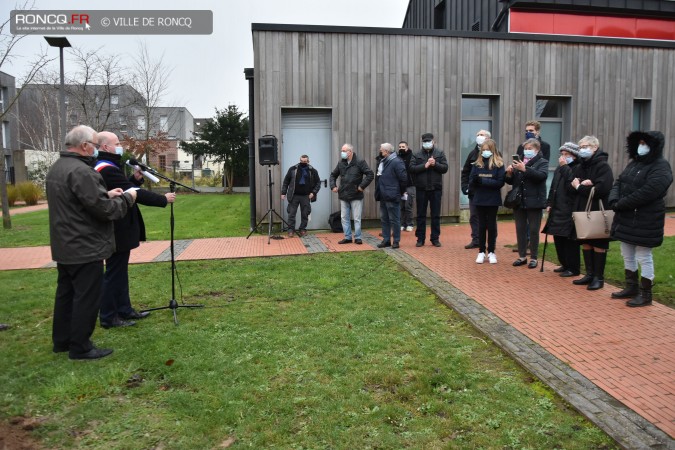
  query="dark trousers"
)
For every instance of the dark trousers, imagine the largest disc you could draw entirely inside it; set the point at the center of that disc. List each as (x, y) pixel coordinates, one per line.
(568, 253)
(305, 205)
(528, 221)
(407, 207)
(78, 296)
(115, 296)
(390, 216)
(487, 224)
(473, 221)
(433, 200)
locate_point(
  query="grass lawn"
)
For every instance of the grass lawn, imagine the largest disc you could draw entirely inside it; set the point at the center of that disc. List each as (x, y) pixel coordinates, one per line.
(342, 351)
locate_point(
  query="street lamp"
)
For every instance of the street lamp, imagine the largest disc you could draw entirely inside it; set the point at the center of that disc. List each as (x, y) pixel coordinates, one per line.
(61, 42)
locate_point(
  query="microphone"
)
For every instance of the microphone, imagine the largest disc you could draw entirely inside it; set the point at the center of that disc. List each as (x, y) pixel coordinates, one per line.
(144, 170)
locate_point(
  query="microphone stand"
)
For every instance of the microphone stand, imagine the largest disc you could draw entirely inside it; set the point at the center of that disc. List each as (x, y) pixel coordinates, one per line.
(173, 304)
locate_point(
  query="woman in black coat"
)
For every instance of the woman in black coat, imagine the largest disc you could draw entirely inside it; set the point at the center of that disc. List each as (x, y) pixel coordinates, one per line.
(559, 208)
(592, 172)
(637, 198)
(532, 171)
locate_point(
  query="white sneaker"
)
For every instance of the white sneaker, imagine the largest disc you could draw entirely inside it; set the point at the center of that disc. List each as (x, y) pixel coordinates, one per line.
(493, 258)
(480, 259)
(402, 228)
(409, 228)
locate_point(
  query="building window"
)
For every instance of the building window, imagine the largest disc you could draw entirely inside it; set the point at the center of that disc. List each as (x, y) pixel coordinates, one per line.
(5, 134)
(642, 114)
(114, 99)
(439, 16)
(141, 123)
(162, 163)
(553, 113)
(163, 123)
(478, 113)
(2, 99)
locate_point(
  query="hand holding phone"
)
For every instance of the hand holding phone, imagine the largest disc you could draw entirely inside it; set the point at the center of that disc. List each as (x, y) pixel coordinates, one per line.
(516, 158)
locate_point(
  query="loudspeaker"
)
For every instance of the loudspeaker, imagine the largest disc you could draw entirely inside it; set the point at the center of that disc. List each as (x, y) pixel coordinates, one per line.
(267, 151)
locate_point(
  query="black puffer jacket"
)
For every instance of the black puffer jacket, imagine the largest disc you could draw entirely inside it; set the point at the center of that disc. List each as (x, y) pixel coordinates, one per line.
(560, 199)
(600, 173)
(466, 170)
(352, 175)
(534, 186)
(430, 179)
(637, 196)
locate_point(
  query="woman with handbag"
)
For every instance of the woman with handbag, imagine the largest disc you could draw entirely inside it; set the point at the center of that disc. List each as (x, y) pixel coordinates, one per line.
(637, 199)
(559, 208)
(485, 181)
(531, 172)
(592, 172)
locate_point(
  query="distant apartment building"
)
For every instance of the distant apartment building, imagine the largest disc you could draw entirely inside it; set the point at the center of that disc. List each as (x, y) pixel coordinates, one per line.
(14, 167)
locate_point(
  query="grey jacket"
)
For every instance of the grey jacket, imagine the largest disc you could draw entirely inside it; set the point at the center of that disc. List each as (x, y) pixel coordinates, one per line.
(80, 212)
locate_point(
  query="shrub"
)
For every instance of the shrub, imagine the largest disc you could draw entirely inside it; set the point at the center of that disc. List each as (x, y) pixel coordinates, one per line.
(29, 192)
(12, 194)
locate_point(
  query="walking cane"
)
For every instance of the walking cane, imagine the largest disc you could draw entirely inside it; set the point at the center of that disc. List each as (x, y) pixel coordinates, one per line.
(543, 254)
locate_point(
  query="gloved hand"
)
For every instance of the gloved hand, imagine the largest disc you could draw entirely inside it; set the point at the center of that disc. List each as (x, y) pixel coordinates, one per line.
(465, 190)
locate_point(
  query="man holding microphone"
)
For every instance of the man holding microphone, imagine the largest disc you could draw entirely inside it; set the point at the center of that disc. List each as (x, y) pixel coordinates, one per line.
(116, 309)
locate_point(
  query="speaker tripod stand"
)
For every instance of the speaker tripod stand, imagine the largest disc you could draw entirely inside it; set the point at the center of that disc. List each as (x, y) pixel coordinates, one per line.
(270, 211)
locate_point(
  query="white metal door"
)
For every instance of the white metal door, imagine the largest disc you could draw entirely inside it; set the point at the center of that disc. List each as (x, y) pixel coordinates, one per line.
(306, 132)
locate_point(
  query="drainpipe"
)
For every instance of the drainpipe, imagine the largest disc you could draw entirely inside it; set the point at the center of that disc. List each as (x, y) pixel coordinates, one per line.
(248, 72)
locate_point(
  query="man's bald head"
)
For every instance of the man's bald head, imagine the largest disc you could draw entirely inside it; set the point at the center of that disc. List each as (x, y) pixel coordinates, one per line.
(108, 141)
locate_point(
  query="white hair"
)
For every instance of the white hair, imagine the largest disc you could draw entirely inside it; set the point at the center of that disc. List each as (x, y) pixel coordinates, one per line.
(79, 135)
(387, 147)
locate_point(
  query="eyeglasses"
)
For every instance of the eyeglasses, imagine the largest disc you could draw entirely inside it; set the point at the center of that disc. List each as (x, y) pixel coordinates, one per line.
(96, 146)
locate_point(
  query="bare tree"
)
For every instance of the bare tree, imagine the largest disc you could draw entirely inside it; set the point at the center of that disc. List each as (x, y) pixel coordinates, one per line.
(7, 43)
(150, 77)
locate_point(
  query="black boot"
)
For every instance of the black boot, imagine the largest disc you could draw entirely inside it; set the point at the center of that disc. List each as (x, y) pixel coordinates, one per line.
(588, 261)
(631, 289)
(644, 298)
(599, 260)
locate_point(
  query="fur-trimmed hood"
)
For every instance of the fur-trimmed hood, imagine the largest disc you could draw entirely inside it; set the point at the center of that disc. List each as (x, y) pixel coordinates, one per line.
(654, 139)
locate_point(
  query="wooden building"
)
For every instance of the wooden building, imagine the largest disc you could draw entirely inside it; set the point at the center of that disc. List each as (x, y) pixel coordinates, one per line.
(317, 87)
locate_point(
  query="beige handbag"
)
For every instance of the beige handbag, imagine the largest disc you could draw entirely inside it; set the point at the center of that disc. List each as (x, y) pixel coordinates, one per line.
(593, 224)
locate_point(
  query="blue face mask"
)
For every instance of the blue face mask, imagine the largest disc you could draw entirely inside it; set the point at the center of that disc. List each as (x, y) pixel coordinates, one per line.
(486, 153)
(530, 135)
(427, 145)
(95, 155)
(529, 154)
(119, 151)
(643, 149)
(343, 155)
(569, 159)
(585, 152)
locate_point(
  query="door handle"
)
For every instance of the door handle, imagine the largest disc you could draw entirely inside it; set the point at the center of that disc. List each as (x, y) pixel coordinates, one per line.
(325, 183)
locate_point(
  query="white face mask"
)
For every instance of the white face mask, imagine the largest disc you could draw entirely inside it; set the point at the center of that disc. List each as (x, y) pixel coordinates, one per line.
(585, 152)
(119, 151)
(427, 145)
(480, 140)
(486, 153)
(643, 149)
(529, 154)
(343, 155)
(569, 159)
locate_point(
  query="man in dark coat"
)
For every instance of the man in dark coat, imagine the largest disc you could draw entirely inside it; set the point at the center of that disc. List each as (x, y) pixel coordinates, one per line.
(481, 136)
(391, 182)
(428, 166)
(408, 199)
(637, 198)
(116, 309)
(355, 176)
(81, 211)
(533, 131)
(300, 187)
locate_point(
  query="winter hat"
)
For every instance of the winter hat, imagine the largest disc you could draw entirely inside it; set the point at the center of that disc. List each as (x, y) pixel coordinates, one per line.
(427, 137)
(570, 147)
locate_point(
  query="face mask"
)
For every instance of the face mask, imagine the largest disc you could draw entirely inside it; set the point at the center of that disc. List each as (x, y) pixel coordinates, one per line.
(530, 135)
(303, 164)
(529, 154)
(569, 159)
(643, 149)
(427, 145)
(585, 152)
(119, 151)
(95, 155)
(486, 153)
(343, 155)
(480, 140)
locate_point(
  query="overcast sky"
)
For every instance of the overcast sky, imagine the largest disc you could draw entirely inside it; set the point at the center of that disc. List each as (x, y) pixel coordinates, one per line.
(208, 69)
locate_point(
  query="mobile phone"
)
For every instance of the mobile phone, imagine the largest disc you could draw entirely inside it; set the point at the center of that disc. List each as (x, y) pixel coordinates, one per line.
(516, 158)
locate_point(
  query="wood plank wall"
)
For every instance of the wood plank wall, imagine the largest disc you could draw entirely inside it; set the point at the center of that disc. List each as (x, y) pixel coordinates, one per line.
(391, 87)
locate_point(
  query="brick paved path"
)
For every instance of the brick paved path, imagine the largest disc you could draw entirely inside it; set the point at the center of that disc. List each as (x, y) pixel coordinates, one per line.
(575, 340)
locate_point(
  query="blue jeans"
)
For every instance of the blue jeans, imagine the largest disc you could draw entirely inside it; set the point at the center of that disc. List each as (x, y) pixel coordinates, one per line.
(433, 199)
(390, 215)
(353, 207)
